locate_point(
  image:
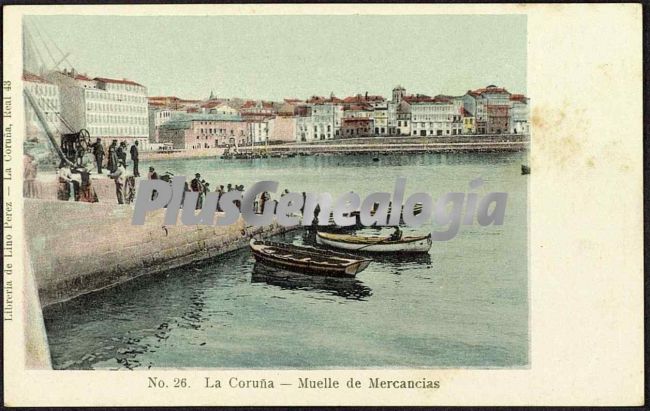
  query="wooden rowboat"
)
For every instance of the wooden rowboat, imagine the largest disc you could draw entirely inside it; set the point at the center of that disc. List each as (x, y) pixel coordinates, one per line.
(416, 244)
(307, 260)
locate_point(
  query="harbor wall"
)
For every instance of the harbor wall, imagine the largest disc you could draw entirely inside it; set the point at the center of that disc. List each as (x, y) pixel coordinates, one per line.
(77, 248)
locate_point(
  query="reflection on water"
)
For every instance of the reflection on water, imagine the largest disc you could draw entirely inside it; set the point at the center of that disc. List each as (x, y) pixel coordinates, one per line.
(350, 288)
(462, 304)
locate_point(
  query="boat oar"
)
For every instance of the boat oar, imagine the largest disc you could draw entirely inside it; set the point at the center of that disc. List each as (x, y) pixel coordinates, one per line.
(378, 242)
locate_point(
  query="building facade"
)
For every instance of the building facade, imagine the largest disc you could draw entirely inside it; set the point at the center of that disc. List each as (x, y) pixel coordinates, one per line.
(435, 116)
(107, 108)
(282, 129)
(519, 114)
(48, 102)
(356, 127)
(203, 131)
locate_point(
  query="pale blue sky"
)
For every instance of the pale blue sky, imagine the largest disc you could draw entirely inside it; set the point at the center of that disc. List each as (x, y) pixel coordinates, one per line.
(273, 57)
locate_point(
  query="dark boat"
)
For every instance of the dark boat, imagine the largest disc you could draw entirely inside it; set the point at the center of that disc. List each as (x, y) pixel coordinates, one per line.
(307, 259)
(525, 169)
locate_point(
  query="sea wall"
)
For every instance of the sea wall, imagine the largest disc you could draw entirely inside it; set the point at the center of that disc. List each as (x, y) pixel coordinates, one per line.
(76, 248)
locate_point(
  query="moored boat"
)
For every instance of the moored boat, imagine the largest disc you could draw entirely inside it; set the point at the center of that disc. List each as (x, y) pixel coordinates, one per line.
(412, 244)
(307, 259)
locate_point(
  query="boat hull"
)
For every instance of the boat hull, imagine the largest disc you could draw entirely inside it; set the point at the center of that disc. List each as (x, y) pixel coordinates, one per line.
(417, 245)
(310, 263)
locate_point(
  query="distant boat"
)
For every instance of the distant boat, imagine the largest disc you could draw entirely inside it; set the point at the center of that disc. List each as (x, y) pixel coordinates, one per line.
(525, 169)
(307, 260)
(415, 244)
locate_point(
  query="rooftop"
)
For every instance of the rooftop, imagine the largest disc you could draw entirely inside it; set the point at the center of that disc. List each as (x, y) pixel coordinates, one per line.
(27, 76)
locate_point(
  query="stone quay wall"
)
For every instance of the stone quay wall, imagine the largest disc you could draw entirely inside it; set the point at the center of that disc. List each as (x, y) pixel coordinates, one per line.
(77, 248)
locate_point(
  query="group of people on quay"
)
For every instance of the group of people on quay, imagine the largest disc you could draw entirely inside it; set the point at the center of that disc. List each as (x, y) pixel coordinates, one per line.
(74, 182)
(200, 186)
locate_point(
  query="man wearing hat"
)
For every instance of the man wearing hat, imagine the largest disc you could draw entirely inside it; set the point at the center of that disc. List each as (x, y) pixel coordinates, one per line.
(112, 156)
(134, 158)
(197, 186)
(121, 152)
(98, 152)
(120, 177)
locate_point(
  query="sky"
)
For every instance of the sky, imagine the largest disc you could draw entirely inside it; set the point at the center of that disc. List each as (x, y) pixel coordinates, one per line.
(277, 57)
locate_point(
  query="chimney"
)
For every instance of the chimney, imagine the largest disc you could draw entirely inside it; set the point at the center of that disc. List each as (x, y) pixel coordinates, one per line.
(366, 95)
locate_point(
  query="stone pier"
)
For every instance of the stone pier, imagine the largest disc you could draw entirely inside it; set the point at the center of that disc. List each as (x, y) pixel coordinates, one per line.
(77, 248)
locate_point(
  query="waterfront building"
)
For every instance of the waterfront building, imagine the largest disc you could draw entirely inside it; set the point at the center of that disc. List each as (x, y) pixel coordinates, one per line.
(403, 115)
(159, 115)
(326, 116)
(469, 126)
(391, 114)
(202, 131)
(48, 101)
(107, 108)
(282, 129)
(356, 127)
(439, 116)
(304, 129)
(519, 114)
(491, 108)
(380, 118)
(258, 130)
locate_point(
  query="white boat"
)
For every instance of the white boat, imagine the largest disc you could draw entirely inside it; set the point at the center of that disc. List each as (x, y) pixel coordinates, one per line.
(414, 244)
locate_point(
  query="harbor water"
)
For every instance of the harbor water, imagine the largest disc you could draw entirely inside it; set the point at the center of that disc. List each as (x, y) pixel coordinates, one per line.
(464, 304)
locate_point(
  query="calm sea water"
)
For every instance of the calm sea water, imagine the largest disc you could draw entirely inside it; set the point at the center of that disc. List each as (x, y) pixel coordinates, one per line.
(465, 304)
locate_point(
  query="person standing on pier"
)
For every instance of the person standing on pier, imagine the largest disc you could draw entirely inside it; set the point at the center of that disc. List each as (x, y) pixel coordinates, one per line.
(112, 157)
(197, 186)
(98, 152)
(119, 175)
(121, 152)
(134, 158)
(30, 169)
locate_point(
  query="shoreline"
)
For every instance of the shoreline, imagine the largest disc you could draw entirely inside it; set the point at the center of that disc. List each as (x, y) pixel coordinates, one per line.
(361, 145)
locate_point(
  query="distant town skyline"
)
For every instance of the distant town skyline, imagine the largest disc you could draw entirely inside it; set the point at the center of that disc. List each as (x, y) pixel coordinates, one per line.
(278, 57)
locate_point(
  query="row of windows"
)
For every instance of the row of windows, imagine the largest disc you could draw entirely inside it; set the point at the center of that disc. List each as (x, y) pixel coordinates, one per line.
(431, 109)
(48, 103)
(117, 131)
(42, 89)
(50, 117)
(110, 119)
(433, 125)
(115, 108)
(219, 131)
(436, 117)
(106, 96)
(125, 87)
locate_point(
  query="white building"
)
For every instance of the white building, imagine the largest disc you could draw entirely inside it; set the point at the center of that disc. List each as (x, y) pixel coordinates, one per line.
(326, 120)
(519, 115)
(380, 118)
(107, 108)
(435, 117)
(259, 131)
(48, 101)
